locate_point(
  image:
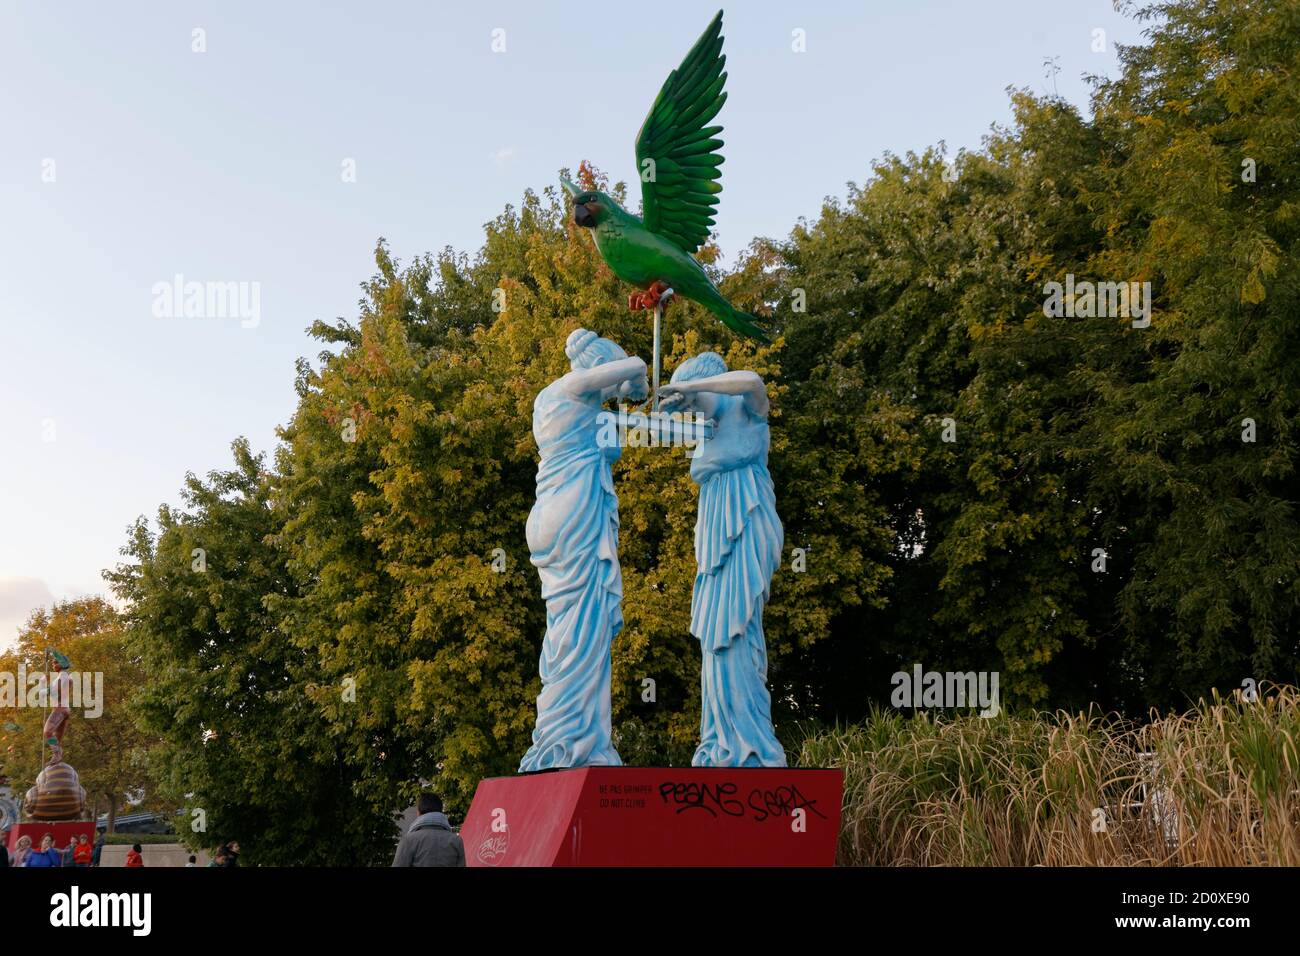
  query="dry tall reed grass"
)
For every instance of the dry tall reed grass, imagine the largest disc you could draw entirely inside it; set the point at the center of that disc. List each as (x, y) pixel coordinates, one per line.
(1216, 786)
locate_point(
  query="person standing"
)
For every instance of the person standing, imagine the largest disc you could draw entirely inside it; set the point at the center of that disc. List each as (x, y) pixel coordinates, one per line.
(99, 847)
(738, 540)
(430, 840)
(47, 856)
(572, 534)
(232, 853)
(22, 851)
(83, 854)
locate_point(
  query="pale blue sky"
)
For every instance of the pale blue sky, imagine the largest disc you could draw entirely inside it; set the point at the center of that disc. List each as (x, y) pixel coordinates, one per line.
(226, 166)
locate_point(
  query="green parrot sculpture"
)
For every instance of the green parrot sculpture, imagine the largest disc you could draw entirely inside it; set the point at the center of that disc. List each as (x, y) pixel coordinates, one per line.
(677, 155)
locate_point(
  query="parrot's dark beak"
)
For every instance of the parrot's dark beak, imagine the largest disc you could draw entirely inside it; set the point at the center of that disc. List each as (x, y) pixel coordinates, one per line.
(582, 216)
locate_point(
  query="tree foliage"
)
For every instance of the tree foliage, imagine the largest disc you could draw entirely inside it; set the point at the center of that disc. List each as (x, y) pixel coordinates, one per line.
(243, 744)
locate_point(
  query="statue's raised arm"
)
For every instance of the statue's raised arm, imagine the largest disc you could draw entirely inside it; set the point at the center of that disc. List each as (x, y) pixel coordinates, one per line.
(748, 385)
(625, 377)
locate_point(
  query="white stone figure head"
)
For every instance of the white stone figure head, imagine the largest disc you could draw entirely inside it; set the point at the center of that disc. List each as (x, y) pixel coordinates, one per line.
(704, 365)
(586, 349)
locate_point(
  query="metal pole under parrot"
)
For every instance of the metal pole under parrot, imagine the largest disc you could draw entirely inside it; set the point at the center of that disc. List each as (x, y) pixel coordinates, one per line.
(654, 387)
(659, 318)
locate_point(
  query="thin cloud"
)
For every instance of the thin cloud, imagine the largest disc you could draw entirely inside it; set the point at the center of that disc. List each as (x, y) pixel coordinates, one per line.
(500, 157)
(18, 598)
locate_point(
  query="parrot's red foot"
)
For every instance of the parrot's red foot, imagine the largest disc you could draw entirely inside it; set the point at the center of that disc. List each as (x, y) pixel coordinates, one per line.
(651, 297)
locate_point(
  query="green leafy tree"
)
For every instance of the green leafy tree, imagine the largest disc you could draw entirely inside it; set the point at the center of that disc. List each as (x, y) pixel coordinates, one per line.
(243, 743)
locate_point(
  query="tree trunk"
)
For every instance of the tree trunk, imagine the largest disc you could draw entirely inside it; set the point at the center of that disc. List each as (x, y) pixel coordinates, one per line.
(112, 813)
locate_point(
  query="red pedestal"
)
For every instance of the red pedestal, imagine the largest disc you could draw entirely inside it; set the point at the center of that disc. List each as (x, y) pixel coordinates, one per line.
(656, 816)
(63, 832)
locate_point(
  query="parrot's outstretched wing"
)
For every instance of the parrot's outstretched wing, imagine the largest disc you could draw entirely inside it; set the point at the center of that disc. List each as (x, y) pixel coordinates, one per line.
(676, 154)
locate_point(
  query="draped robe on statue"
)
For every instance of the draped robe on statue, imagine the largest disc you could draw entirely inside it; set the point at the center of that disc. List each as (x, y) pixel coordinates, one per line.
(573, 536)
(738, 540)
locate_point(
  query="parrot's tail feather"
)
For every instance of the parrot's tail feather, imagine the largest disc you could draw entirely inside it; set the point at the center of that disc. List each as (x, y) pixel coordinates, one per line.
(745, 324)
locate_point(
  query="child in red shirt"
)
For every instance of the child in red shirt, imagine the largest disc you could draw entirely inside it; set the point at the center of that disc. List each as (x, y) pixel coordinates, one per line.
(133, 856)
(81, 855)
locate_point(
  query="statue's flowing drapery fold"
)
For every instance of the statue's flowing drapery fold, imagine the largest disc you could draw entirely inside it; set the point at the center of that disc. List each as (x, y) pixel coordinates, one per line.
(738, 540)
(573, 538)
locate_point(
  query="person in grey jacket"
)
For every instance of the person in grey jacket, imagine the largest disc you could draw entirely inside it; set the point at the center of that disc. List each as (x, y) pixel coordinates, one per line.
(430, 841)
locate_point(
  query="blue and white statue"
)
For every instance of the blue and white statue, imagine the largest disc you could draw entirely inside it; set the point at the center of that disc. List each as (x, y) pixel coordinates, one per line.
(738, 540)
(573, 537)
